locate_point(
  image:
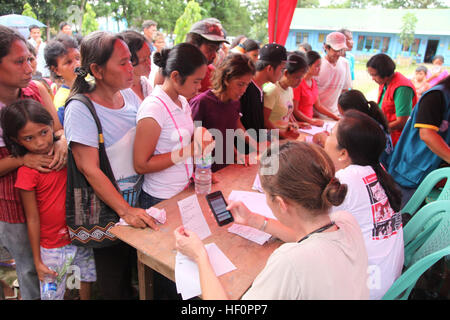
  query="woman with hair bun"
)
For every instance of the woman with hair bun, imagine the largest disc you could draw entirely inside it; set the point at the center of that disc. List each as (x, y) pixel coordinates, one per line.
(324, 256)
(355, 145)
(164, 145)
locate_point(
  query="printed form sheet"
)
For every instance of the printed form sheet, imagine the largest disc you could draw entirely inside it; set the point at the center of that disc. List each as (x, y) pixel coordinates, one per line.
(187, 278)
(192, 217)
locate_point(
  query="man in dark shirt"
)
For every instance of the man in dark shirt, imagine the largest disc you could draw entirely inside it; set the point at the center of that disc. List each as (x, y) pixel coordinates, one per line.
(269, 68)
(424, 143)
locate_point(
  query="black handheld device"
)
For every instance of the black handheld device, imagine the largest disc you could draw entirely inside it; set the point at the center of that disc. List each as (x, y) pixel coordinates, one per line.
(218, 207)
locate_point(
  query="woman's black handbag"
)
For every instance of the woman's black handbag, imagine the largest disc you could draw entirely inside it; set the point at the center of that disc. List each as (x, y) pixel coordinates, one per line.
(88, 218)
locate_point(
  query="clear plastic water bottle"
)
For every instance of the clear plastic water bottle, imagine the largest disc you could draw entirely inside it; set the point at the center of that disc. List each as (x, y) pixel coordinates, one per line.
(49, 288)
(203, 175)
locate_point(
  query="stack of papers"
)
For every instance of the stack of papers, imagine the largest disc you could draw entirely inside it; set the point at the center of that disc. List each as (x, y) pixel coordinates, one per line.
(249, 233)
(186, 271)
(255, 202)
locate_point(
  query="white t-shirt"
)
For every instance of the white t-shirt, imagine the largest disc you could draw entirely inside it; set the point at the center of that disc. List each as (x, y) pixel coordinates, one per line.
(119, 129)
(168, 182)
(330, 83)
(40, 58)
(380, 225)
(326, 266)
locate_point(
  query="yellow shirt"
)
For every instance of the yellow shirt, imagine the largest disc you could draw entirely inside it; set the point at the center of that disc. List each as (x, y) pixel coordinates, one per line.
(280, 102)
(61, 96)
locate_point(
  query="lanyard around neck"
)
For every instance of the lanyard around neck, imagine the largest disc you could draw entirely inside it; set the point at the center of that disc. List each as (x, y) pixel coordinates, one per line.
(328, 226)
(179, 133)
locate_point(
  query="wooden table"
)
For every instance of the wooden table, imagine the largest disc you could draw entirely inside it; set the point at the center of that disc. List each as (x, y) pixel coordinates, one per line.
(156, 249)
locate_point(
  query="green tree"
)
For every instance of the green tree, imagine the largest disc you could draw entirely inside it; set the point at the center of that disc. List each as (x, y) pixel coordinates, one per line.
(192, 14)
(258, 11)
(90, 24)
(28, 11)
(408, 29)
(10, 7)
(233, 15)
(164, 12)
(308, 4)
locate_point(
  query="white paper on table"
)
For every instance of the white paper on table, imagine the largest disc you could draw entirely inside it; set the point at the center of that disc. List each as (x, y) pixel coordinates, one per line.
(187, 278)
(329, 125)
(257, 184)
(313, 130)
(252, 234)
(192, 216)
(254, 201)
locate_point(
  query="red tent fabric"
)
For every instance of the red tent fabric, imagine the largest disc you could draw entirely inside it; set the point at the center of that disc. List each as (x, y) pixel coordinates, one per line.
(280, 17)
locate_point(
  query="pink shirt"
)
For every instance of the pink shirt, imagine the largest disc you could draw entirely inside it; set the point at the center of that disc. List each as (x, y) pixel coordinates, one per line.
(441, 76)
(306, 97)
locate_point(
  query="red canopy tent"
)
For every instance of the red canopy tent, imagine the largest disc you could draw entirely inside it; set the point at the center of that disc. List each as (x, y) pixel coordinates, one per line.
(280, 17)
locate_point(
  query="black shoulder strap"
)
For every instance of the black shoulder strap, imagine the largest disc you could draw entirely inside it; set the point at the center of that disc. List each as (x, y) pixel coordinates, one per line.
(88, 103)
(105, 166)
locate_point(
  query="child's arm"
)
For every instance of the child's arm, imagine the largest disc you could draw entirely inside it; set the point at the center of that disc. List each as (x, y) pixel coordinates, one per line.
(34, 234)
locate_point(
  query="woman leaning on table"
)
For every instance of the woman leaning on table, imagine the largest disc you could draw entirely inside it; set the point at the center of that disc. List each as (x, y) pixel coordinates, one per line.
(107, 59)
(323, 257)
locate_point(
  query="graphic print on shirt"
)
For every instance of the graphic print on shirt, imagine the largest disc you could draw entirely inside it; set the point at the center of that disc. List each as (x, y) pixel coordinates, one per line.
(290, 109)
(386, 222)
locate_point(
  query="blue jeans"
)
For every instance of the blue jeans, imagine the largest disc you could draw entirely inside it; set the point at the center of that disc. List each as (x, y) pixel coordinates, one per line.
(146, 201)
(14, 237)
(407, 193)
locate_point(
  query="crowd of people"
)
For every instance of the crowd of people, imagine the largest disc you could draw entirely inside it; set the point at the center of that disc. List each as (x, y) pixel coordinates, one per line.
(337, 195)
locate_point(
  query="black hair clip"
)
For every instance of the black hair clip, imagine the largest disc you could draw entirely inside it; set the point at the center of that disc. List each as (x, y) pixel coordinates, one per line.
(79, 71)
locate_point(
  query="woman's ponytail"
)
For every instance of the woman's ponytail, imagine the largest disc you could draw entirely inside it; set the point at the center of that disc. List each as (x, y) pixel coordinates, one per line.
(375, 112)
(390, 187)
(81, 85)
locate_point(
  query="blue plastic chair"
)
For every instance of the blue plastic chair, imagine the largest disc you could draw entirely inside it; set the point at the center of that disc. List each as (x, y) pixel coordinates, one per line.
(426, 187)
(425, 244)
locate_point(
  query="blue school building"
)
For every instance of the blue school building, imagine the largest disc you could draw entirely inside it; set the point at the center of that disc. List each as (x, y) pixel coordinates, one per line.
(375, 30)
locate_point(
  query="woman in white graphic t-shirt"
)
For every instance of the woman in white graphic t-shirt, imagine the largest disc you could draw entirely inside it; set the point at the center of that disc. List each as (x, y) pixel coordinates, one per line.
(355, 146)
